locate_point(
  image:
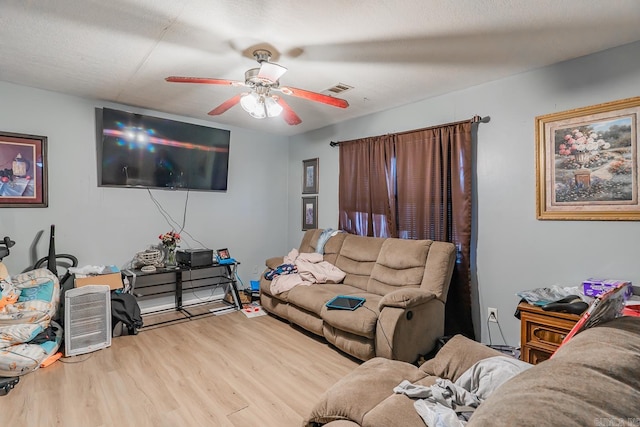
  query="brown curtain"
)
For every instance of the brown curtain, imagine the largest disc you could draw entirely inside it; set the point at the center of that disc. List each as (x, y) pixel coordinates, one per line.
(434, 202)
(366, 202)
(414, 185)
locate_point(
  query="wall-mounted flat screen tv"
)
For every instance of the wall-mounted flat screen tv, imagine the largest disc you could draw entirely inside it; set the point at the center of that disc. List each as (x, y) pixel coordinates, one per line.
(149, 152)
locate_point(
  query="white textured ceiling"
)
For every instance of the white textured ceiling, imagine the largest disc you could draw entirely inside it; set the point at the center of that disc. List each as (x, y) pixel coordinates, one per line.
(391, 52)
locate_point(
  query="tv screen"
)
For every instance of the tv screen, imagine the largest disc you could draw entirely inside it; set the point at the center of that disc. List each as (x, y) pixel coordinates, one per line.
(142, 151)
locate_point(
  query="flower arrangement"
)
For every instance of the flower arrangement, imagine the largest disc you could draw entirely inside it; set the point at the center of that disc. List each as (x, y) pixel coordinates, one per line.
(170, 239)
(578, 141)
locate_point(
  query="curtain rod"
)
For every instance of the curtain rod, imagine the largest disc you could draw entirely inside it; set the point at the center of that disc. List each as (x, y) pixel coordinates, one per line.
(474, 120)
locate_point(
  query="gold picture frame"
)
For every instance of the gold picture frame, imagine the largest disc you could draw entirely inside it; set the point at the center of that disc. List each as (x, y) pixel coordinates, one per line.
(587, 163)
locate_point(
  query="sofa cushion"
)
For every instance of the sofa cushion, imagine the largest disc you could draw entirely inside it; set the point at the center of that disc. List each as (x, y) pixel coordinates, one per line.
(361, 321)
(400, 263)
(342, 423)
(456, 356)
(356, 345)
(265, 288)
(395, 410)
(352, 397)
(333, 246)
(313, 298)
(310, 240)
(305, 319)
(357, 257)
(437, 274)
(592, 380)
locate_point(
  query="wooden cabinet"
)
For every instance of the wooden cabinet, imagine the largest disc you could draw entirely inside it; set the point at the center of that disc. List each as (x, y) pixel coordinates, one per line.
(542, 331)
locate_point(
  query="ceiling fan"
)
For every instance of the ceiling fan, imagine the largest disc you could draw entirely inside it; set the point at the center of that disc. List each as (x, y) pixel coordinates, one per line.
(259, 101)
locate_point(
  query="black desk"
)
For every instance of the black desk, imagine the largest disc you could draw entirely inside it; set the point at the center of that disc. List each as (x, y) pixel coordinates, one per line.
(177, 280)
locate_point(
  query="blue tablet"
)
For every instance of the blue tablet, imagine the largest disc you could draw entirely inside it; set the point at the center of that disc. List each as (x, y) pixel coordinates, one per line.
(344, 302)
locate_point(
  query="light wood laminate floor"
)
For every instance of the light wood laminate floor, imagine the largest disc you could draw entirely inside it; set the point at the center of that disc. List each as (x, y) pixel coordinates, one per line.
(213, 371)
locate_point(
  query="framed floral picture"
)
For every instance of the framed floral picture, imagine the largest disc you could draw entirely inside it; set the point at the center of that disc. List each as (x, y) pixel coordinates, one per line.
(587, 163)
(309, 213)
(310, 176)
(23, 176)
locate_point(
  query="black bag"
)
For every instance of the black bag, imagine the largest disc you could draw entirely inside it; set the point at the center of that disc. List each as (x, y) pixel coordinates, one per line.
(125, 309)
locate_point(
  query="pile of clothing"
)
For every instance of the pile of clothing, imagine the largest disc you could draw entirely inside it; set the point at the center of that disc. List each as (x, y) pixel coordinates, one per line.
(302, 269)
(28, 334)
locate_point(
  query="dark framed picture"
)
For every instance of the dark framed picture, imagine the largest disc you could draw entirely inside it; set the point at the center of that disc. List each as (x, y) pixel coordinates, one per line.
(23, 171)
(587, 163)
(310, 176)
(309, 213)
(223, 253)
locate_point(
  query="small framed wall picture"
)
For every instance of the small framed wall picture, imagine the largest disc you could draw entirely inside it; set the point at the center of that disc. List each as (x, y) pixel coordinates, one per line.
(310, 176)
(23, 176)
(309, 213)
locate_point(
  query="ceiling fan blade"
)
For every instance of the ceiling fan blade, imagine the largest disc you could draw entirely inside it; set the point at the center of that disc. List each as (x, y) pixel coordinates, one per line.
(314, 96)
(204, 80)
(271, 71)
(225, 105)
(288, 114)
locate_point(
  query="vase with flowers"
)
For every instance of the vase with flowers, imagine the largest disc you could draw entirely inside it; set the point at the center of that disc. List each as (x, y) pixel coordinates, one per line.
(170, 242)
(583, 145)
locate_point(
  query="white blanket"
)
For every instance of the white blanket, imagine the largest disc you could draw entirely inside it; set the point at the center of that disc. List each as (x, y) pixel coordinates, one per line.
(311, 269)
(438, 402)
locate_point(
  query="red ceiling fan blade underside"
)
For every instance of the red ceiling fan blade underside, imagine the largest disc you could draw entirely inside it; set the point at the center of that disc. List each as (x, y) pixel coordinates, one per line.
(288, 114)
(204, 80)
(314, 96)
(225, 105)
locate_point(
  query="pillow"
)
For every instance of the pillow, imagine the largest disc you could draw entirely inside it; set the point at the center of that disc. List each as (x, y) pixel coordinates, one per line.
(42, 292)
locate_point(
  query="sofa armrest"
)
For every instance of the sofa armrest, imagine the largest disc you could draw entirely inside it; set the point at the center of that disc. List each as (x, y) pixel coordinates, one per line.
(274, 262)
(405, 298)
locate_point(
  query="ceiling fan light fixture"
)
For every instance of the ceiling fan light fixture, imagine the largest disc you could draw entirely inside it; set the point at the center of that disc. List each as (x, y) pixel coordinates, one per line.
(249, 101)
(273, 108)
(260, 106)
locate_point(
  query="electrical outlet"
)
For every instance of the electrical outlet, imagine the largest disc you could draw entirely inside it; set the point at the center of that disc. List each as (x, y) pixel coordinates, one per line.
(493, 314)
(255, 269)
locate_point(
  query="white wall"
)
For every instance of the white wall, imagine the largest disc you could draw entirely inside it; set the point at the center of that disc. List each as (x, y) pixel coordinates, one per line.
(515, 251)
(109, 225)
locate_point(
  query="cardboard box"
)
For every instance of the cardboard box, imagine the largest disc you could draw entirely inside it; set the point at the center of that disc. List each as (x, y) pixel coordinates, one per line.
(596, 287)
(113, 279)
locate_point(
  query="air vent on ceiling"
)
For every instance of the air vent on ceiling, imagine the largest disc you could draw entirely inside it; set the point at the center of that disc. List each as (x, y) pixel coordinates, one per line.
(339, 88)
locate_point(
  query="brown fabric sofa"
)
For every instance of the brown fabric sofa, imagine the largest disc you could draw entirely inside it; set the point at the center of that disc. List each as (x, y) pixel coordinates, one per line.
(593, 380)
(404, 282)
